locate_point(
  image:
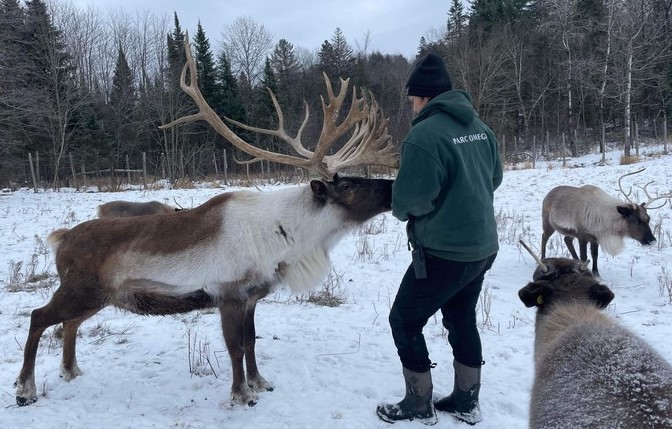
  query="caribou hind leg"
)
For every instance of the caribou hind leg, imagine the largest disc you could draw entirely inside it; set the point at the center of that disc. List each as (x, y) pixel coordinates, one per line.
(593, 254)
(63, 307)
(26, 392)
(546, 234)
(569, 241)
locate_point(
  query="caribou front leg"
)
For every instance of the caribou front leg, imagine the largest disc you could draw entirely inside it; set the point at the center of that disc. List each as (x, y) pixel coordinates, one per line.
(254, 380)
(232, 312)
(63, 307)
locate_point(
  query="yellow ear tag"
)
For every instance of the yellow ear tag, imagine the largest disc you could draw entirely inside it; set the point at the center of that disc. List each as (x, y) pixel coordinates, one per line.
(540, 300)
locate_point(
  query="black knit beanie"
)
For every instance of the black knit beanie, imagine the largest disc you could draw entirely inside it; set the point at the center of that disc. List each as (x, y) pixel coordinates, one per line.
(429, 78)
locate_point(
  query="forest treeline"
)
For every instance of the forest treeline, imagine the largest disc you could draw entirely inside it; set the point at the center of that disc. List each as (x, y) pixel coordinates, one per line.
(79, 86)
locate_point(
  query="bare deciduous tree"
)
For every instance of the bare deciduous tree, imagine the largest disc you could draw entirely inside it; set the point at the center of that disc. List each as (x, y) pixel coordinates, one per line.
(247, 43)
(641, 43)
(604, 72)
(64, 98)
(563, 27)
(479, 65)
(529, 89)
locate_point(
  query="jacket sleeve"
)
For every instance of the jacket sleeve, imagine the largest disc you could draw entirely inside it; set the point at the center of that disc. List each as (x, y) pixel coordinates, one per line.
(498, 174)
(498, 171)
(418, 183)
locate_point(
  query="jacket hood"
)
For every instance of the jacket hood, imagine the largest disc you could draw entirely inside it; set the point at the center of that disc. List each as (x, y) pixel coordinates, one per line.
(455, 103)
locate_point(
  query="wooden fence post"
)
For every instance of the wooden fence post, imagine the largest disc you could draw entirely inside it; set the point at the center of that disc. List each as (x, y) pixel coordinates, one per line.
(86, 183)
(72, 168)
(128, 171)
(163, 165)
(193, 166)
(37, 168)
(226, 169)
(182, 167)
(534, 151)
(32, 171)
(655, 129)
(564, 152)
(144, 170)
(664, 132)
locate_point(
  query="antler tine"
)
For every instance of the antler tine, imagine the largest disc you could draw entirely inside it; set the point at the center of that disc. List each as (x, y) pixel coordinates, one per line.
(651, 199)
(330, 130)
(543, 267)
(627, 196)
(375, 148)
(359, 131)
(246, 162)
(294, 142)
(370, 143)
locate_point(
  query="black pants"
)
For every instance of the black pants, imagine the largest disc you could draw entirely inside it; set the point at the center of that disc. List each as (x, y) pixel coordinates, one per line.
(452, 287)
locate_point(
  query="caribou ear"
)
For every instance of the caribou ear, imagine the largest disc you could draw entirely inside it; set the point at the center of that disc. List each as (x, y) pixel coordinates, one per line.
(625, 211)
(533, 294)
(319, 189)
(601, 295)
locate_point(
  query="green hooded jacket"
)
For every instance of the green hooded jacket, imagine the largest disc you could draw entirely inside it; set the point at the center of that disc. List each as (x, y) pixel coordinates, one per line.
(449, 170)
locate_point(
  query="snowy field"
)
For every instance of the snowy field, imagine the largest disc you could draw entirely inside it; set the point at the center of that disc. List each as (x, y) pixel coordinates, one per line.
(330, 366)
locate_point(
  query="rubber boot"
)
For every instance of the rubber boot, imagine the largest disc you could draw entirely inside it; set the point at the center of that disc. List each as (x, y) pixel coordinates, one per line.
(463, 402)
(416, 405)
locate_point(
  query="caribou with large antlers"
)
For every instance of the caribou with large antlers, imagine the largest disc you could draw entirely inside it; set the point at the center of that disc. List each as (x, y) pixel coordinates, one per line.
(593, 216)
(228, 252)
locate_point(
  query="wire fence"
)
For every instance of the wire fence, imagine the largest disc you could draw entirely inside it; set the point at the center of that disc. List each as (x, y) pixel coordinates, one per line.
(146, 170)
(155, 169)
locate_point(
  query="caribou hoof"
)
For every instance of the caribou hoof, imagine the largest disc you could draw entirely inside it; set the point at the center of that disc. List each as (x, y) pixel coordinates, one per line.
(237, 402)
(244, 397)
(259, 384)
(69, 375)
(22, 402)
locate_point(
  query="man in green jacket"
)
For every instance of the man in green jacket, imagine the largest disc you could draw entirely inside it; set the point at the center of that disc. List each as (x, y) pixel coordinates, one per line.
(450, 168)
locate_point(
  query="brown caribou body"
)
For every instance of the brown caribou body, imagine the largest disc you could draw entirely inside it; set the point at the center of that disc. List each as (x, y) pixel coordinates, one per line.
(228, 252)
(131, 208)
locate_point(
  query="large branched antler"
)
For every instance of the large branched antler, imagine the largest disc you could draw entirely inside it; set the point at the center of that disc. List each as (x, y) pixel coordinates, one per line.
(369, 143)
(651, 199)
(627, 195)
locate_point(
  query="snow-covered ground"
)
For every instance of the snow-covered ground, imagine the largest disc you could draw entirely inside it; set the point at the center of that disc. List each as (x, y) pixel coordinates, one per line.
(330, 366)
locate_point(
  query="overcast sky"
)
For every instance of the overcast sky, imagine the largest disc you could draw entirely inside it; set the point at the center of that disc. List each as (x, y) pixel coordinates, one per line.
(395, 26)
